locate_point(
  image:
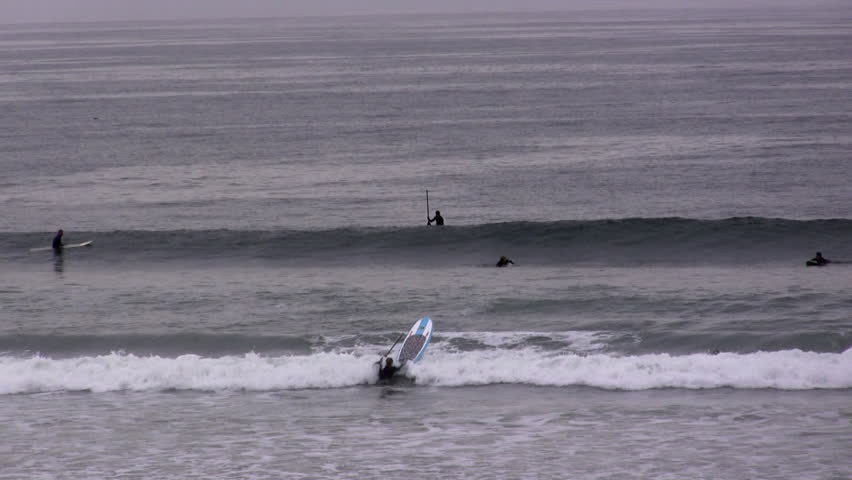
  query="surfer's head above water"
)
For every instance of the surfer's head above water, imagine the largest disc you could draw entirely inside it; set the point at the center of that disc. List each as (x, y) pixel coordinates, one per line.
(388, 370)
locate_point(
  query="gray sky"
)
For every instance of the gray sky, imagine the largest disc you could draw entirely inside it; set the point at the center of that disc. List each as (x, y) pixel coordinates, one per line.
(18, 11)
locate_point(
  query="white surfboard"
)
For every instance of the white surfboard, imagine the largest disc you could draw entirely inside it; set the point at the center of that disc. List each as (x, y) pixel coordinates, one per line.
(64, 247)
(415, 343)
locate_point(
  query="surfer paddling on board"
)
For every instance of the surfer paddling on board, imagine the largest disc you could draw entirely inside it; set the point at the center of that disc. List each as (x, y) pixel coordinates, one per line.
(439, 220)
(57, 240)
(818, 260)
(504, 261)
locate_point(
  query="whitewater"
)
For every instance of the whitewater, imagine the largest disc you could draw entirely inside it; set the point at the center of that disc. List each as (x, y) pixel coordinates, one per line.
(787, 370)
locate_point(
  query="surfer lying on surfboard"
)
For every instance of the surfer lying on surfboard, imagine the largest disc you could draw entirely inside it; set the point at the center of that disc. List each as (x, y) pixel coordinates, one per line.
(818, 260)
(504, 261)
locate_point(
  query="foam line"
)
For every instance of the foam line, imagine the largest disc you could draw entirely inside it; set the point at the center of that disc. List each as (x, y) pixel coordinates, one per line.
(786, 370)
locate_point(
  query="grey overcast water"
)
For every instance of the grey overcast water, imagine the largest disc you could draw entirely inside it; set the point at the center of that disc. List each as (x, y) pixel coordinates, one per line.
(255, 193)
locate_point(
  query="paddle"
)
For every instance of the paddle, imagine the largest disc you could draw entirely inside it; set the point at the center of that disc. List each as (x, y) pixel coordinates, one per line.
(427, 207)
(391, 348)
(394, 344)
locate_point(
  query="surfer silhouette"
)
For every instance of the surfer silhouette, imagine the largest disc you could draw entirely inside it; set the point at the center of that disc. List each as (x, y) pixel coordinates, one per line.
(504, 261)
(439, 220)
(57, 240)
(819, 260)
(386, 372)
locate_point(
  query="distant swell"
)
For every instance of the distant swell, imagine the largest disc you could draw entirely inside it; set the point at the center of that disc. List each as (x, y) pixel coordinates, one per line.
(143, 344)
(785, 370)
(623, 241)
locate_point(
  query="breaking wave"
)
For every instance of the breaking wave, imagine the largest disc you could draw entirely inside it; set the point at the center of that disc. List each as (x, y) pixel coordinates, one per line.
(785, 370)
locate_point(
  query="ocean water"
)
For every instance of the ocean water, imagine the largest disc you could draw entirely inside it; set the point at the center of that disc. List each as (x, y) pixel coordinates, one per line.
(256, 191)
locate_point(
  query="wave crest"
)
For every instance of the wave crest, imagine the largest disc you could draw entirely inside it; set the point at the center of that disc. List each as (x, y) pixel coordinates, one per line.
(631, 240)
(787, 370)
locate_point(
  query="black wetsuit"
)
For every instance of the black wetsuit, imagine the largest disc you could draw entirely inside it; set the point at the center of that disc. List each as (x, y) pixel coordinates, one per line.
(57, 242)
(820, 261)
(439, 220)
(387, 372)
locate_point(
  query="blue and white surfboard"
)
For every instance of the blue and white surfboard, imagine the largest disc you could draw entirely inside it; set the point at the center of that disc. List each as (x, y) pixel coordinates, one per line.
(415, 343)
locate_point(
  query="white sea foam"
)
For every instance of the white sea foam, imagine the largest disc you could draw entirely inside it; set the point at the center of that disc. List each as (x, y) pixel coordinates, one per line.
(789, 370)
(580, 341)
(188, 372)
(792, 369)
(445, 342)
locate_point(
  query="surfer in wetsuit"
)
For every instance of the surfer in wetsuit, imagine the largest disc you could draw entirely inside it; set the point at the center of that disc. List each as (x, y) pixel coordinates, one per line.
(57, 240)
(819, 259)
(439, 220)
(504, 261)
(386, 372)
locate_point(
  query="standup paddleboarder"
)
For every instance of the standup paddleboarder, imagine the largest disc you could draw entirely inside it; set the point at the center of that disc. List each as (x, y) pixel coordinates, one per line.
(439, 220)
